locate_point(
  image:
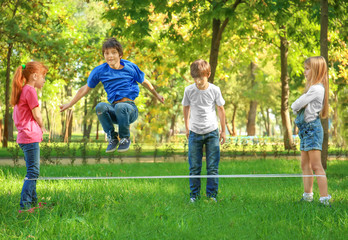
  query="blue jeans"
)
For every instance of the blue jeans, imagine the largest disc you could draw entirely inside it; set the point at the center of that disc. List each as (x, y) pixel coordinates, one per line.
(311, 134)
(32, 162)
(123, 114)
(195, 155)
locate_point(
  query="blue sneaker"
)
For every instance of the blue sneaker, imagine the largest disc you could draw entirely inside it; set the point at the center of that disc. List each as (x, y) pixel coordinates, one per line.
(213, 199)
(124, 145)
(113, 143)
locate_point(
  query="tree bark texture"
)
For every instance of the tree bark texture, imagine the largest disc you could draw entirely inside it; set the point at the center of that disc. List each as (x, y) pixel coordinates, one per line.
(0, 130)
(7, 86)
(233, 121)
(251, 129)
(266, 120)
(229, 128)
(47, 117)
(68, 125)
(7, 96)
(324, 51)
(286, 123)
(218, 29)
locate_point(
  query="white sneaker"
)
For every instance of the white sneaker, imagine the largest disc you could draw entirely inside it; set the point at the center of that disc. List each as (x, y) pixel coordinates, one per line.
(325, 200)
(307, 197)
(192, 200)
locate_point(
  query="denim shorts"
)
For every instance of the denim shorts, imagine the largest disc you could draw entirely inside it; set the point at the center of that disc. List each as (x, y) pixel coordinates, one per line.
(311, 134)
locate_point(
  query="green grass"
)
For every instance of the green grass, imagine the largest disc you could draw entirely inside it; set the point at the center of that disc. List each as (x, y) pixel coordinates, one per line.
(247, 208)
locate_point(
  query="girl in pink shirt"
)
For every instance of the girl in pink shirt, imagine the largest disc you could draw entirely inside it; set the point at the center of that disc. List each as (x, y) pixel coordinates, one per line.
(28, 121)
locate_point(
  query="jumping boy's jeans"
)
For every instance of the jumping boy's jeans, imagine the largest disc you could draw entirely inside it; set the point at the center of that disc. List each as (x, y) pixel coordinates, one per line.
(123, 114)
(32, 162)
(195, 154)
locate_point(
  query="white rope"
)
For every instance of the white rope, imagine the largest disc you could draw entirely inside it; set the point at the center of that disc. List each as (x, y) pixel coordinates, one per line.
(180, 176)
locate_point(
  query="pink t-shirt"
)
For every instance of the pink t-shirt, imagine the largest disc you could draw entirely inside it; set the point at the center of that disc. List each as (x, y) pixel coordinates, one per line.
(29, 130)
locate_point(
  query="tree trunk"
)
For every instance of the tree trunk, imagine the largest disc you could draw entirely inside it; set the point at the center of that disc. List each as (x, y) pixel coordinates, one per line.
(0, 130)
(7, 96)
(10, 127)
(234, 129)
(268, 125)
(68, 125)
(251, 129)
(229, 129)
(334, 131)
(89, 129)
(215, 45)
(324, 51)
(7, 87)
(88, 123)
(286, 123)
(218, 29)
(85, 119)
(47, 117)
(266, 120)
(62, 122)
(172, 125)
(97, 133)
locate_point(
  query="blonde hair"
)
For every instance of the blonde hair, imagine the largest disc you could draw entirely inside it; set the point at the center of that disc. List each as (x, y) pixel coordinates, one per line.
(318, 68)
(22, 76)
(200, 68)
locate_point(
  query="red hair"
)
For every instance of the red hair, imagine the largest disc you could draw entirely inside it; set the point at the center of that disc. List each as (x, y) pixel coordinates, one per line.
(22, 76)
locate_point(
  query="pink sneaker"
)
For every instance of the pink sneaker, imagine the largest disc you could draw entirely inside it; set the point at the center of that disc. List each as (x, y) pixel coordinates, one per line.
(41, 204)
(30, 210)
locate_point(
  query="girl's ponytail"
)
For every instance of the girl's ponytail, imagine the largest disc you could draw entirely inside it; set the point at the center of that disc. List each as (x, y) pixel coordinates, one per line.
(17, 85)
(22, 75)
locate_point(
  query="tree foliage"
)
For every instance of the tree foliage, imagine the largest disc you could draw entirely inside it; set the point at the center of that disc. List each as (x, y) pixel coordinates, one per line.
(163, 38)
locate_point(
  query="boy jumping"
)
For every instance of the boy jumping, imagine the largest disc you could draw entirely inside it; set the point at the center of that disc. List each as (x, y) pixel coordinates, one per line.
(120, 79)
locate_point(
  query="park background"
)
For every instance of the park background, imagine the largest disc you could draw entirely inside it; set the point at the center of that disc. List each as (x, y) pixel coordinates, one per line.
(256, 49)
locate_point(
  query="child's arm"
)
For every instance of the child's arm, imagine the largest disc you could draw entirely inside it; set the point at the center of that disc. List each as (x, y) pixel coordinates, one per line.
(149, 86)
(222, 115)
(80, 93)
(186, 110)
(306, 98)
(38, 118)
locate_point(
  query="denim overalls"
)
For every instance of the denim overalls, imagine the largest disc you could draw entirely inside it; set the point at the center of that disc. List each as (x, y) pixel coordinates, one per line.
(311, 133)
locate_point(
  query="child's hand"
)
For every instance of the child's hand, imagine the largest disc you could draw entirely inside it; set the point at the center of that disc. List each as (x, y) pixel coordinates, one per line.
(187, 133)
(43, 129)
(64, 107)
(222, 137)
(160, 98)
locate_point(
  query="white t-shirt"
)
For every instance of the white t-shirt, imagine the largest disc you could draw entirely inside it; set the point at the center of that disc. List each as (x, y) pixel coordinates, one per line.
(202, 107)
(312, 100)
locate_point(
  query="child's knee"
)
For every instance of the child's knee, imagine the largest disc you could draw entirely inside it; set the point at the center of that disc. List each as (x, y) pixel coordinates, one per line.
(305, 165)
(121, 109)
(100, 108)
(317, 168)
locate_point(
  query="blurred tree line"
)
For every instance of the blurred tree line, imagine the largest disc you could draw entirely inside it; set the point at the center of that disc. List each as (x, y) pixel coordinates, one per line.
(256, 50)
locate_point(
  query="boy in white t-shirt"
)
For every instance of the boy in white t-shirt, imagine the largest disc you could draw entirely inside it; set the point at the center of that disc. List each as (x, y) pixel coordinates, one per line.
(202, 129)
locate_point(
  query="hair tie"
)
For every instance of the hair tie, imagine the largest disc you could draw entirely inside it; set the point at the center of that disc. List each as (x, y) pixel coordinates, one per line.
(23, 66)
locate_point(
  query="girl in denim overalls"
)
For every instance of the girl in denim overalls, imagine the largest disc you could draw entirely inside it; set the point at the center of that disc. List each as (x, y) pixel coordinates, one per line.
(28, 121)
(307, 107)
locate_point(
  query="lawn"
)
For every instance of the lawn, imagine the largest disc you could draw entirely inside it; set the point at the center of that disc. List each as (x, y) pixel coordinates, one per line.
(247, 208)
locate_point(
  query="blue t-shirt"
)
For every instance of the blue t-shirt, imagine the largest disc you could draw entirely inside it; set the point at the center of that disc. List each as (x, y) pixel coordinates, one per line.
(118, 83)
